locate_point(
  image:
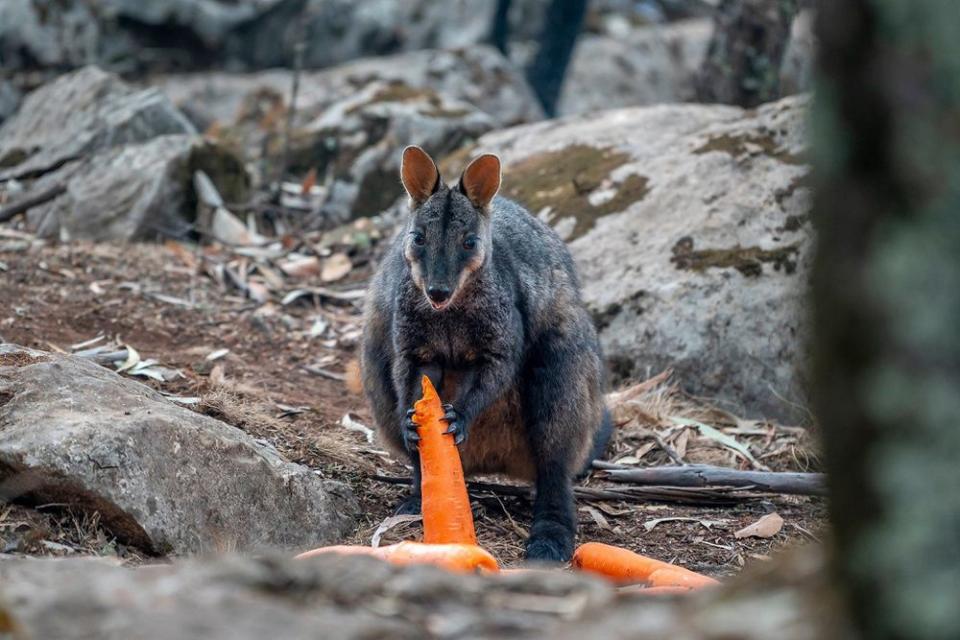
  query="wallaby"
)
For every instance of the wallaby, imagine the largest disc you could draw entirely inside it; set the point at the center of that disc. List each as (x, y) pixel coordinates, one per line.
(483, 298)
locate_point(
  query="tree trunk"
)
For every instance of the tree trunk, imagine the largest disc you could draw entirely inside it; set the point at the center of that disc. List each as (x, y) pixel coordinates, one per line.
(547, 69)
(887, 308)
(746, 51)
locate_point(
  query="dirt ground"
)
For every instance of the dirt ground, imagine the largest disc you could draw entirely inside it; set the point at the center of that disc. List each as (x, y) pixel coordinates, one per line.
(162, 301)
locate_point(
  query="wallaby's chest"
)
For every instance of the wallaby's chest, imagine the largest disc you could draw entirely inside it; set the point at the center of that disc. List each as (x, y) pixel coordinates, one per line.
(452, 344)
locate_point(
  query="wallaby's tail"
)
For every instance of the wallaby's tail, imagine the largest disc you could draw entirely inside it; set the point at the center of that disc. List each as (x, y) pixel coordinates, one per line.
(600, 440)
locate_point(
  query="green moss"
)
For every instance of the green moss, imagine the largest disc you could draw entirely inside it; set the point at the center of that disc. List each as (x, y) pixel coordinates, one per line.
(440, 112)
(13, 158)
(747, 260)
(224, 168)
(739, 146)
(563, 181)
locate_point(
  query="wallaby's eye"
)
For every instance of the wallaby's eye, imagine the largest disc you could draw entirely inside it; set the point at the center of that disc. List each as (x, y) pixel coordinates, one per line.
(419, 239)
(470, 243)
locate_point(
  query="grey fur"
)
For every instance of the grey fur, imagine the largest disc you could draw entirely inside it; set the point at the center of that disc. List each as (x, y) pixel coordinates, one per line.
(515, 351)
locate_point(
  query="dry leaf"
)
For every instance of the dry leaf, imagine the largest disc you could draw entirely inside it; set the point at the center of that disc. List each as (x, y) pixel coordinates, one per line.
(336, 267)
(309, 182)
(300, 266)
(680, 443)
(217, 376)
(230, 230)
(597, 517)
(184, 255)
(766, 527)
(216, 355)
(348, 423)
(650, 525)
(390, 523)
(258, 291)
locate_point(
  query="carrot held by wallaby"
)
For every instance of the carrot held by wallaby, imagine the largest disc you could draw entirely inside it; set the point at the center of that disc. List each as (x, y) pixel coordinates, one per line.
(453, 557)
(626, 567)
(447, 517)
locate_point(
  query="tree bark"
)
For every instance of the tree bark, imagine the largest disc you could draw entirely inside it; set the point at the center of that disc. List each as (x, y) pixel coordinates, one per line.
(746, 51)
(887, 308)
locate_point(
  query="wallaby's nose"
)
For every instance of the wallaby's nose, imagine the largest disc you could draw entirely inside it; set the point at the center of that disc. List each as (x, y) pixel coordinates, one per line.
(438, 294)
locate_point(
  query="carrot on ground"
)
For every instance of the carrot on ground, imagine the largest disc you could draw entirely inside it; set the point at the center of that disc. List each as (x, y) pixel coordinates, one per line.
(626, 567)
(445, 505)
(453, 557)
(640, 590)
(679, 577)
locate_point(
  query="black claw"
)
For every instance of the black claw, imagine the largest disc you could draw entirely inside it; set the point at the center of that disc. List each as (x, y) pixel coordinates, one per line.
(457, 426)
(411, 436)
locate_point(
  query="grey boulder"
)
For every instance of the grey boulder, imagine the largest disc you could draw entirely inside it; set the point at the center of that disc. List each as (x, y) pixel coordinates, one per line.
(136, 191)
(657, 64)
(80, 113)
(689, 227)
(162, 477)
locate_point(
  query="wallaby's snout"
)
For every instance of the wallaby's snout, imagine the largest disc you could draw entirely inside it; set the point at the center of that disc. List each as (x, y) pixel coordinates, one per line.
(438, 295)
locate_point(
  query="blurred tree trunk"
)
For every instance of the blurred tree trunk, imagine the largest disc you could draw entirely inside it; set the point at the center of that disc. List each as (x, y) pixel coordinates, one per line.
(743, 60)
(500, 29)
(546, 71)
(887, 307)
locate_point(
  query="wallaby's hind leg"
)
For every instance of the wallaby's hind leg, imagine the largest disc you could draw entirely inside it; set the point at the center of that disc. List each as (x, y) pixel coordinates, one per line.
(562, 411)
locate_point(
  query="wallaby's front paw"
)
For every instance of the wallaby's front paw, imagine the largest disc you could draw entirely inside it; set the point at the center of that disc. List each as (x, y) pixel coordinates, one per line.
(458, 427)
(411, 436)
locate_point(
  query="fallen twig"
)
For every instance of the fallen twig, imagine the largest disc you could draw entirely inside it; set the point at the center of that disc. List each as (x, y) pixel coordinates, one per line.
(705, 476)
(713, 496)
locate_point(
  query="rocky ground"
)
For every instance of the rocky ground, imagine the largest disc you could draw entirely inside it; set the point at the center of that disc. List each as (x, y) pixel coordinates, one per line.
(286, 380)
(184, 252)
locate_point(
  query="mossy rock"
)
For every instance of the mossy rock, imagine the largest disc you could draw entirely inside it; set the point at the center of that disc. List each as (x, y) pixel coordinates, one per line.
(562, 181)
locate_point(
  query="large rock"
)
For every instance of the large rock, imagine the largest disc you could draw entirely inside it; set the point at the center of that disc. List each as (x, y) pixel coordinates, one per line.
(689, 227)
(648, 65)
(656, 64)
(123, 158)
(240, 599)
(135, 192)
(10, 97)
(355, 142)
(340, 30)
(477, 75)
(236, 34)
(351, 120)
(78, 114)
(162, 477)
(58, 35)
(347, 598)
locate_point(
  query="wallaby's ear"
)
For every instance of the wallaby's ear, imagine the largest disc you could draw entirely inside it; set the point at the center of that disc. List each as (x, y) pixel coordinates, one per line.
(481, 180)
(419, 174)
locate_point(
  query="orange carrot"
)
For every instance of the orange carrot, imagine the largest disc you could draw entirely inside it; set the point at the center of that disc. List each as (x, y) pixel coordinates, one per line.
(679, 577)
(447, 517)
(464, 558)
(620, 565)
(626, 567)
(638, 590)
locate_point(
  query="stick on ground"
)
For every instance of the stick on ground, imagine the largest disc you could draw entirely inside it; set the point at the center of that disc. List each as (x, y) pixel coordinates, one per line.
(808, 484)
